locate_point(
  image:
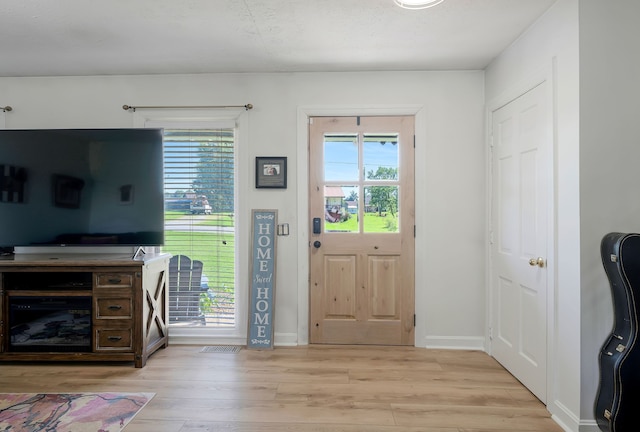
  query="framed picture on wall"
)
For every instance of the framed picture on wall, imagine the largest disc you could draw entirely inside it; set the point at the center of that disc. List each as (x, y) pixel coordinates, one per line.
(271, 172)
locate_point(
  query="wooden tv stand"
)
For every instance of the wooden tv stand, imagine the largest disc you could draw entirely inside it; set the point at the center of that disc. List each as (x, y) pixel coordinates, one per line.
(128, 300)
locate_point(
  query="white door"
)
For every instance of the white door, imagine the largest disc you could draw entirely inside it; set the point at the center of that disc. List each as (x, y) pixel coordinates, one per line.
(520, 175)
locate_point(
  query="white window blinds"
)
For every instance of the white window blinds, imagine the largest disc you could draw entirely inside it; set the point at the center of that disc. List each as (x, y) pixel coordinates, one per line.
(199, 185)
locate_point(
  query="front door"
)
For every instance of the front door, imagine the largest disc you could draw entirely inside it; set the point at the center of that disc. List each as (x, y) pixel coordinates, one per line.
(520, 176)
(361, 204)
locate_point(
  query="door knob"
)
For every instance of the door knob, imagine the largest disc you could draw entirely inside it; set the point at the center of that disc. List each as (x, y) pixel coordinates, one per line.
(317, 244)
(536, 262)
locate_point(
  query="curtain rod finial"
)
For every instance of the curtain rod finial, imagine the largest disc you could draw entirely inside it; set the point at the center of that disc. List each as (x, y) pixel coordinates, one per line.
(126, 107)
(6, 108)
(248, 107)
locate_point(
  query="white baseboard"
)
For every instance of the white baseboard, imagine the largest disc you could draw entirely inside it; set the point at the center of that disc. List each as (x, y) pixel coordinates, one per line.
(286, 339)
(454, 342)
(562, 415)
(191, 336)
(191, 339)
(589, 426)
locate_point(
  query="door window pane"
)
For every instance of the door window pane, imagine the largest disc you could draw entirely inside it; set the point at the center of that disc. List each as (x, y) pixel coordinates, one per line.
(341, 209)
(380, 154)
(341, 157)
(381, 209)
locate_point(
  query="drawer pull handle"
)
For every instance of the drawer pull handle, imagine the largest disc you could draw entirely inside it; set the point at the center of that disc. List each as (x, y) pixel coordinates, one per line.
(115, 338)
(115, 281)
(115, 307)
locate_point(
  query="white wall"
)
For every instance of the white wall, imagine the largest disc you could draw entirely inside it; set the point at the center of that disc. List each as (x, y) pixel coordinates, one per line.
(609, 155)
(450, 200)
(550, 47)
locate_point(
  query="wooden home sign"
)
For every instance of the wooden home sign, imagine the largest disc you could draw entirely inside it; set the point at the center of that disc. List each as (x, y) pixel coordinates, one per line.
(263, 279)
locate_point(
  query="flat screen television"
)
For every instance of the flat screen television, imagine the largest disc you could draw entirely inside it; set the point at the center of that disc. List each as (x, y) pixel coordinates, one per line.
(71, 187)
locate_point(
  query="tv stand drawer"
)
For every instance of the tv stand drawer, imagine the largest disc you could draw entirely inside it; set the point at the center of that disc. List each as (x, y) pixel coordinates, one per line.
(114, 280)
(114, 307)
(113, 339)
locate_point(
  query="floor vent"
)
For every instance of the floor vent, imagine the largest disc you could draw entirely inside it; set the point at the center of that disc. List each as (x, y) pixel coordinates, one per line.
(229, 349)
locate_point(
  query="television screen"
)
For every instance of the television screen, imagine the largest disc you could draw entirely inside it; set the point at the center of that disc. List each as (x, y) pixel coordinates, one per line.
(81, 187)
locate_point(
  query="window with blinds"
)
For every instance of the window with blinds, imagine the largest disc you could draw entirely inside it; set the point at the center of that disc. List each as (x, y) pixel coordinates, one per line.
(199, 225)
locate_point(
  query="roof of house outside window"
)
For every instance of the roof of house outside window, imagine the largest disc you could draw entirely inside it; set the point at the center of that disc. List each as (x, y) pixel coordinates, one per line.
(333, 192)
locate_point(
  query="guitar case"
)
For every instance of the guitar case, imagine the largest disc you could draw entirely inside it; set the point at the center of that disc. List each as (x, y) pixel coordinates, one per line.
(618, 399)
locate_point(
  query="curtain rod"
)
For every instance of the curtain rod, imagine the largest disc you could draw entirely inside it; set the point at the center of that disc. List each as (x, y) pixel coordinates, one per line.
(133, 108)
(6, 108)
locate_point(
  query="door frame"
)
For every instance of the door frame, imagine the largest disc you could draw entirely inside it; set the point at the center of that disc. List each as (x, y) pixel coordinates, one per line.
(302, 211)
(545, 74)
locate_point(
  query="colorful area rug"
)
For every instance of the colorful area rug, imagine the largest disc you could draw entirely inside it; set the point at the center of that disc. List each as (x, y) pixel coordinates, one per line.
(69, 412)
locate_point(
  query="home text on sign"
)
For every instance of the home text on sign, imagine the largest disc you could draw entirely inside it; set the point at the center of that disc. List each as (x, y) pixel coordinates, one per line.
(262, 279)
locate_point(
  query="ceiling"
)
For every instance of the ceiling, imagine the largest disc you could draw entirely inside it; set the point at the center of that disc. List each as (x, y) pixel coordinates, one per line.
(116, 37)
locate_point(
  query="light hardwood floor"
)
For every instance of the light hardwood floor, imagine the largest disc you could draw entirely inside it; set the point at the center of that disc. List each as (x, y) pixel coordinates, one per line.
(305, 389)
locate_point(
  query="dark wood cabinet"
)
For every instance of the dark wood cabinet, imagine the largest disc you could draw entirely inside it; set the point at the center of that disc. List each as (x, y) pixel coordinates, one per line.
(70, 307)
